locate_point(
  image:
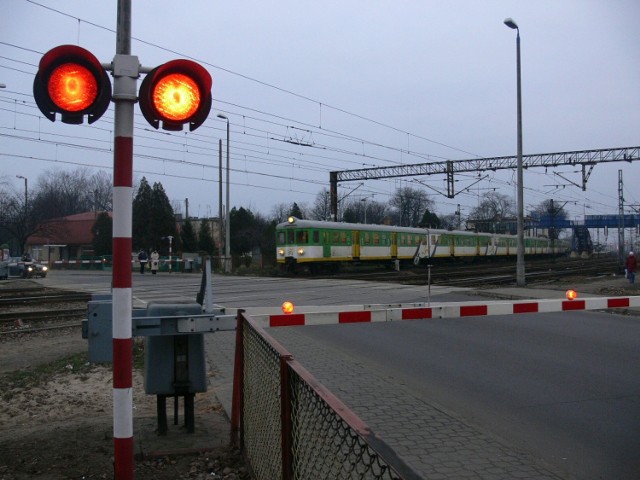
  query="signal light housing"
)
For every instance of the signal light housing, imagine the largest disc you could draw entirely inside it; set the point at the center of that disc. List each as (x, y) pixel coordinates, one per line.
(72, 82)
(176, 93)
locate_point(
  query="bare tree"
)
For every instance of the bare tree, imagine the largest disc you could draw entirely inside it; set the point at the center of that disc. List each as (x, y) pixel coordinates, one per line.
(321, 209)
(280, 212)
(409, 205)
(494, 206)
(101, 185)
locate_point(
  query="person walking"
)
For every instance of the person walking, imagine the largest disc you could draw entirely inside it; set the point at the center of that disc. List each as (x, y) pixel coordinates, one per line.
(631, 265)
(155, 261)
(142, 258)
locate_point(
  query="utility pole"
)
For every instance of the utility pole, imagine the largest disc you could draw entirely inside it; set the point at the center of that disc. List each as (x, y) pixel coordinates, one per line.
(620, 220)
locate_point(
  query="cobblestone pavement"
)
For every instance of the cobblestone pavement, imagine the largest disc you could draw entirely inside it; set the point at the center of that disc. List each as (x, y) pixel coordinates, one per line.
(434, 442)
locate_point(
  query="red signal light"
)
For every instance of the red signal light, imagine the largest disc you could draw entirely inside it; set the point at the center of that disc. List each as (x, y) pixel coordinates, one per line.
(71, 81)
(176, 93)
(571, 294)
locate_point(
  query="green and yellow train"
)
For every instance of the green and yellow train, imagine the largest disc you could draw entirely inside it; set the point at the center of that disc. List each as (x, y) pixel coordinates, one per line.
(317, 244)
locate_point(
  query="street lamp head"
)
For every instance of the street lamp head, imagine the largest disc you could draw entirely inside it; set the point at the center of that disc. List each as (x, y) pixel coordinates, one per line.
(224, 117)
(509, 22)
(20, 176)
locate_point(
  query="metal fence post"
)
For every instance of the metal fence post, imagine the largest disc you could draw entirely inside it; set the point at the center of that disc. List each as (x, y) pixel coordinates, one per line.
(286, 420)
(237, 402)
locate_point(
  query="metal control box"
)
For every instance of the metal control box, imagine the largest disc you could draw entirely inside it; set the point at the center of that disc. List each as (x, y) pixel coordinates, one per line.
(174, 364)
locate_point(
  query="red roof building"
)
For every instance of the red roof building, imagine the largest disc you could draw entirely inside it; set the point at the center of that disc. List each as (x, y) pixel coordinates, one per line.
(66, 238)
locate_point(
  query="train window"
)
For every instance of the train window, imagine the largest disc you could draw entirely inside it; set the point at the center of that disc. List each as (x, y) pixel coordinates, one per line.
(335, 237)
(281, 238)
(316, 236)
(343, 237)
(290, 237)
(376, 239)
(302, 237)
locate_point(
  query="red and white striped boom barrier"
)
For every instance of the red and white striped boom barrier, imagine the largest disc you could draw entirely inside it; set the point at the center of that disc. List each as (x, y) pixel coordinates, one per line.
(421, 311)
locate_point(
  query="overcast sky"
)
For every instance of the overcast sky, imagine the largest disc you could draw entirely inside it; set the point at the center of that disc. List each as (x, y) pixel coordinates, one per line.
(360, 83)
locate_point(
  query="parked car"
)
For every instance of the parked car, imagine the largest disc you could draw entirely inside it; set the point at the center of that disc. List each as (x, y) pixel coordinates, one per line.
(24, 267)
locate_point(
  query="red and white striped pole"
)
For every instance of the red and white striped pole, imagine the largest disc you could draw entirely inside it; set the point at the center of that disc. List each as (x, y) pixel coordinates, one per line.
(125, 72)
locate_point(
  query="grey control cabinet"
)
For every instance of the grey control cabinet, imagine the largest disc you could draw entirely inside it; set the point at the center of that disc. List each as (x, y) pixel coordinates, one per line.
(174, 364)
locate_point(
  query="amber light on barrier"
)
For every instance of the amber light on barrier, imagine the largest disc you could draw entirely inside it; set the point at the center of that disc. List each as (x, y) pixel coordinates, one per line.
(177, 97)
(571, 294)
(287, 307)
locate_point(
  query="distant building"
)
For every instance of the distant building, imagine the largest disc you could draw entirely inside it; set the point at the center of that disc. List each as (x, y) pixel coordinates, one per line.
(65, 238)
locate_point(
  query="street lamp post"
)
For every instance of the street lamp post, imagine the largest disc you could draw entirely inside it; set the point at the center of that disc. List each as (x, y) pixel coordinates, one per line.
(26, 197)
(227, 243)
(520, 275)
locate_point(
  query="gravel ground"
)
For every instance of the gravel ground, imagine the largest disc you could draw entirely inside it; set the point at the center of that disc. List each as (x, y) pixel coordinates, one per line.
(57, 419)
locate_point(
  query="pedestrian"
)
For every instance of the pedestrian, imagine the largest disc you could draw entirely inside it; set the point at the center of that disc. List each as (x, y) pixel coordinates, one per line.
(155, 261)
(142, 258)
(631, 265)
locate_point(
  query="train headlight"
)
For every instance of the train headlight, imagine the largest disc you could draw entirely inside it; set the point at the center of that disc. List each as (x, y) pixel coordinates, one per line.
(281, 252)
(291, 219)
(301, 251)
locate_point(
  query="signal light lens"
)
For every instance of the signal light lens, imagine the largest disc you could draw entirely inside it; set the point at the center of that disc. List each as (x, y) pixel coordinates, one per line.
(176, 93)
(177, 97)
(72, 87)
(287, 308)
(571, 294)
(71, 82)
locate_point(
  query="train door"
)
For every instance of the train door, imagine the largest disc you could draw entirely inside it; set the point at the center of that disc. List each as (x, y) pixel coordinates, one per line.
(394, 244)
(326, 244)
(355, 244)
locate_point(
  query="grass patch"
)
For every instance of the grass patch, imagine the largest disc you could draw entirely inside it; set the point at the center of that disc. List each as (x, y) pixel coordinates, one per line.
(77, 364)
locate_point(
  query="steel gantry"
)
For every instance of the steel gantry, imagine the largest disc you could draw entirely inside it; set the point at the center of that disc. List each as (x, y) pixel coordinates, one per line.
(587, 159)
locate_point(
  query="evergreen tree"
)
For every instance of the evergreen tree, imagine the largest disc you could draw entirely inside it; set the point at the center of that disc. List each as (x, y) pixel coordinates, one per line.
(205, 239)
(429, 220)
(142, 217)
(153, 219)
(163, 221)
(102, 234)
(243, 234)
(188, 237)
(296, 212)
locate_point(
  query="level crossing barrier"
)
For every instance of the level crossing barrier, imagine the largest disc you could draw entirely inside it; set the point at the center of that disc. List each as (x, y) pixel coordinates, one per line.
(420, 311)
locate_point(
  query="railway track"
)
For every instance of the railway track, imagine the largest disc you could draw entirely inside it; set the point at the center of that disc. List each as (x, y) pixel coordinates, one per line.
(35, 309)
(487, 273)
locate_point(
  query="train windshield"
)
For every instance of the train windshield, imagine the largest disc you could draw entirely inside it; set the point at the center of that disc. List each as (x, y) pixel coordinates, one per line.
(301, 237)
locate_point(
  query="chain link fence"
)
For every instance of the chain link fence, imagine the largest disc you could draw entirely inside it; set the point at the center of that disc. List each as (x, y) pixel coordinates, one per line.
(291, 427)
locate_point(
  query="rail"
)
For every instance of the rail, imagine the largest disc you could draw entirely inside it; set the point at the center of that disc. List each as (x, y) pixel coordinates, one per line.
(291, 427)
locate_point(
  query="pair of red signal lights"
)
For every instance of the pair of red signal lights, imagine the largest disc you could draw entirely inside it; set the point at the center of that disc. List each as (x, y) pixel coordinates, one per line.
(72, 82)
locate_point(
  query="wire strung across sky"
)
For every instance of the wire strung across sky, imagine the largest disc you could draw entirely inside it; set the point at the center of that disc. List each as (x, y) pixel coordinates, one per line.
(324, 156)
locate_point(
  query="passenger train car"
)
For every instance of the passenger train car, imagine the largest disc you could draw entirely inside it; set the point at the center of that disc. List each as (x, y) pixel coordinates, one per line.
(316, 243)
